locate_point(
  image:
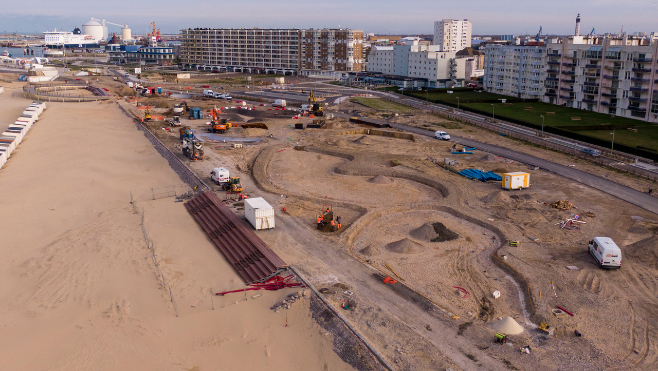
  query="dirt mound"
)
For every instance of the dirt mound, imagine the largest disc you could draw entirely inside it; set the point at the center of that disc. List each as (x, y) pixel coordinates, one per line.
(645, 250)
(488, 158)
(340, 143)
(497, 197)
(425, 232)
(638, 229)
(370, 250)
(405, 246)
(563, 205)
(380, 179)
(522, 197)
(364, 140)
(253, 132)
(508, 326)
(443, 233)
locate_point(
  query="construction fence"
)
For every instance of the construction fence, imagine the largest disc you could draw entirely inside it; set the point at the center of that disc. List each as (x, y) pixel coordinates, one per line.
(155, 193)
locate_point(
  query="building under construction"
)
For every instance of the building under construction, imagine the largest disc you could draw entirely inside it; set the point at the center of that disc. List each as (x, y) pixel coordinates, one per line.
(281, 51)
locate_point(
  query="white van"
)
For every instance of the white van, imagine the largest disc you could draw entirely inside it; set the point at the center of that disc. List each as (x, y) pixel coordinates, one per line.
(208, 93)
(606, 253)
(441, 135)
(279, 103)
(219, 175)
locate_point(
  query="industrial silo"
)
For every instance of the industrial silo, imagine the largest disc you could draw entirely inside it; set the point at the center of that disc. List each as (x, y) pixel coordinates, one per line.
(93, 29)
(126, 33)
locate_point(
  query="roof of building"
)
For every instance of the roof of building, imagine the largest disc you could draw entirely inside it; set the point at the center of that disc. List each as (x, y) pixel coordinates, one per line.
(469, 51)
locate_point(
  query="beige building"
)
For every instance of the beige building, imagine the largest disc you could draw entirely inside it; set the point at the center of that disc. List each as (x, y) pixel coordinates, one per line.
(516, 70)
(452, 35)
(282, 51)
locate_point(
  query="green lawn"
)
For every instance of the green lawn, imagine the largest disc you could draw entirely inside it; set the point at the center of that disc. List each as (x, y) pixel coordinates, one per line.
(380, 104)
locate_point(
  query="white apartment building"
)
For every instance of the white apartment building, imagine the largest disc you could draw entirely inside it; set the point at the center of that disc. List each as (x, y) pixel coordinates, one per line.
(452, 35)
(437, 68)
(516, 70)
(616, 76)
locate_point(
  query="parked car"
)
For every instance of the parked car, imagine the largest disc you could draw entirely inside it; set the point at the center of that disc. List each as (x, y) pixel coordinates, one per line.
(471, 85)
(591, 151)
(441, 135)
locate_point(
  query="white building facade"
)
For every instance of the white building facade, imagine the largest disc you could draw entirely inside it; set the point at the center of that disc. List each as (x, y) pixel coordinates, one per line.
(515, 70)
(452, 35)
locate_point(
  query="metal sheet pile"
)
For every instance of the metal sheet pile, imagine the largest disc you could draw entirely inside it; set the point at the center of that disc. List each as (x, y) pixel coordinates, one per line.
(253, 260)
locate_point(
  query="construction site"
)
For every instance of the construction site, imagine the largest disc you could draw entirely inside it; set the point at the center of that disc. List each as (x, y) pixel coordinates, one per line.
(413, 254)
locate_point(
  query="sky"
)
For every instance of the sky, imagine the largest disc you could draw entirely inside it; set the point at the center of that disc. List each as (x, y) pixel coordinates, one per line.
(377, 16)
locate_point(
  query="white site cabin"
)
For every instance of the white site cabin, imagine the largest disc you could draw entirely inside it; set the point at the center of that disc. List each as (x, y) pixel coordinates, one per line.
(259, 213)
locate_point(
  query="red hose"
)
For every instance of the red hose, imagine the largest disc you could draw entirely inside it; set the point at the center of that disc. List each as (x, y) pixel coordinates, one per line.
(464, 291)
(565, 311)
(273, 284)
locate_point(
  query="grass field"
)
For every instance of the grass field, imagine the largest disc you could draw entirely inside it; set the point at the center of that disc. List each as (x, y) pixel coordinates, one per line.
(380, 104)
(564, 118)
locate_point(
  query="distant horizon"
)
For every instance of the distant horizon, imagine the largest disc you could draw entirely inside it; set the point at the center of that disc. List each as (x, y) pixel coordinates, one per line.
(381, 17)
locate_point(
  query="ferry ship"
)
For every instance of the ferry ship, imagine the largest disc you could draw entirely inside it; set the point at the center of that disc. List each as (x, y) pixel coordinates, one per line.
(68, 40)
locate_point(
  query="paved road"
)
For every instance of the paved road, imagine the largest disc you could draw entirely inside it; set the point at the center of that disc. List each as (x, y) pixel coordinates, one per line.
(622, 192)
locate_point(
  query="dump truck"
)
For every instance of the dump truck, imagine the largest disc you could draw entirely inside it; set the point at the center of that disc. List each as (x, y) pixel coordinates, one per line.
(192, 149)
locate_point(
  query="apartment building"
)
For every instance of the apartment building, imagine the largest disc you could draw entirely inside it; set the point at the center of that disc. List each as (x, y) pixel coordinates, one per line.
(242, 50)
(452, 35)
(516, 70)
(616, 76)
(426, 64)
(284, 51)
(328, 50)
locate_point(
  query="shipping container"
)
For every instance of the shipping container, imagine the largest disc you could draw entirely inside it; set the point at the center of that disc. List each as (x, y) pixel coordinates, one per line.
(259, 213)
(516, 180)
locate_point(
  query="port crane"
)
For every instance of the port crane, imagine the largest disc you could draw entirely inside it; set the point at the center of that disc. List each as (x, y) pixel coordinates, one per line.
(538, 34)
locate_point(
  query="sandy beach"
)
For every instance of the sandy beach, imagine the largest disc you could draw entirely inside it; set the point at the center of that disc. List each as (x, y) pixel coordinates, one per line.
(80, 288)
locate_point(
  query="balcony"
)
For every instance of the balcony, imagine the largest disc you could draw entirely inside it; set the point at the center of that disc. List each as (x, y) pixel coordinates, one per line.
(612, 67)
(550, 70)
(639, 79)
(566, 97)
(609, 104)
(639, 89)
(552, 79)
(592, 101)
(568, 72)
(609, 95)
(555, 55)
(550, 94)
(645, 70)
(643, 60)
(569, 64)
(611, 77)
(554, 62)
(589, 83)
(566, 89)
(637, 99)
(636, 108)
(592, 66)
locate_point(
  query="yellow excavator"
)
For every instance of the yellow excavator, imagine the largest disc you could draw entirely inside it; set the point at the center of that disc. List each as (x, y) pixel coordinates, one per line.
(313, 106)
(233, 185)
(147, 115)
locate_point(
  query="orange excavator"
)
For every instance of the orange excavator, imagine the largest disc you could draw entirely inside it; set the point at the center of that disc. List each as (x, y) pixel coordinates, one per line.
(218, 125)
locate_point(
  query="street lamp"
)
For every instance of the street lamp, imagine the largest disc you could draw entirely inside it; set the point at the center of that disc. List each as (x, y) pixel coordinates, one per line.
(457, 102)
(542, 126)
(612, 148)
(493, 113)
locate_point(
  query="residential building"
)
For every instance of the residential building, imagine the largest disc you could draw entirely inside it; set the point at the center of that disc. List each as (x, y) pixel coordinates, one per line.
(426, 65)
(615, 76)
(516, 70)
(284, 51)
(452, 35)
(331, 50)
(160, 55)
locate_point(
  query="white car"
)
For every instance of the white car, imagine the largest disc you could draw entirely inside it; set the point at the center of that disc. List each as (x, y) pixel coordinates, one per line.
(441, 135)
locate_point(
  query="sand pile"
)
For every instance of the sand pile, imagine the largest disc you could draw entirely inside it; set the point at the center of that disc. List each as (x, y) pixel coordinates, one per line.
(563, 205)
(405, 246)
(497, 197)
(425, 232)
(488, 158)
(443, 233)
(370, 250)
(340, 143)
(364, 140)
(645, 250)
(508, 326)
(380, 179)
(254, 132)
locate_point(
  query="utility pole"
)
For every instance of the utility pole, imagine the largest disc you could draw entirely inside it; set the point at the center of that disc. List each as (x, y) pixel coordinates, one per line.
(542, 126)
(457, 102)
(612, 148)
(493, 113)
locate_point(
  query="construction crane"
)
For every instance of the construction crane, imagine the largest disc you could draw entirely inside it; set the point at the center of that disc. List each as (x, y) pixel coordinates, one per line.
(155, 34)
(538, 34)
(592, 33)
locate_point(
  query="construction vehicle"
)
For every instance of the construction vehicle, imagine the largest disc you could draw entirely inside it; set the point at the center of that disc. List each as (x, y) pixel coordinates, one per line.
(313, 106)
(178, 108)
(192, 147)
(147, 115)
(326, 217)
(175, 121)
(218, 125)
(184, 104)
(233, 185)
(186, 132)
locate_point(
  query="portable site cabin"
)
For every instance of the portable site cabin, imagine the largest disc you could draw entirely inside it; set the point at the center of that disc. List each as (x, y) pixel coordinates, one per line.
(517, 180)
(2, 89)
(259, 213)
(196, 113)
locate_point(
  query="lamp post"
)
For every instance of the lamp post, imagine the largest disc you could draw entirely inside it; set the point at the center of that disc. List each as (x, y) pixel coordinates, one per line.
(542, 126)
(493, 113)
(457, 102)
(612, 148)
